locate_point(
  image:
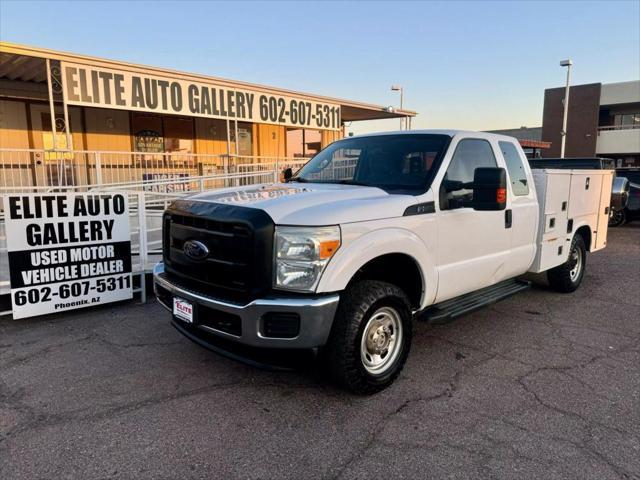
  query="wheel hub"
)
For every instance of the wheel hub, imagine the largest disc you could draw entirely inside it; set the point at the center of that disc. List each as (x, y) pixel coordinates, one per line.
(575, 263)
(381, 340)
(378, 340)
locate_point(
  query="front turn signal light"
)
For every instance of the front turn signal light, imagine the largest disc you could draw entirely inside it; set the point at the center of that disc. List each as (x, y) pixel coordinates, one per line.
(328, 248)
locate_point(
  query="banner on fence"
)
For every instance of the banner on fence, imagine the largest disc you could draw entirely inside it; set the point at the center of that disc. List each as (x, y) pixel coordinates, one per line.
(67, 251)
(150, 180)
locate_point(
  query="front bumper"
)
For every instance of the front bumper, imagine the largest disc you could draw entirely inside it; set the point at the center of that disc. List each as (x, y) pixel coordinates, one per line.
(315, 315)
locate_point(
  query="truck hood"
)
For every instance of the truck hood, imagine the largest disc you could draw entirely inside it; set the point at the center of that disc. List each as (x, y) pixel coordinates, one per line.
(313, 203)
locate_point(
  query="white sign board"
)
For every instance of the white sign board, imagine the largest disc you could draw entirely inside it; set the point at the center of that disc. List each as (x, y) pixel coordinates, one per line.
(92, 86)
(67, 251)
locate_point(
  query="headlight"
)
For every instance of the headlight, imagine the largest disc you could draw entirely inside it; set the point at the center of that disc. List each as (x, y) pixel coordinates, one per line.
(301, 254)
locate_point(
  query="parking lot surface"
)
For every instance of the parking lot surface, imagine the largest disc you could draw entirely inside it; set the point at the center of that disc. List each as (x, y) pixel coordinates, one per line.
(541, 385)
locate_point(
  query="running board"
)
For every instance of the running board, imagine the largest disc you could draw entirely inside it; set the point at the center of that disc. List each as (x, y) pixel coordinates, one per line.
(449, 310)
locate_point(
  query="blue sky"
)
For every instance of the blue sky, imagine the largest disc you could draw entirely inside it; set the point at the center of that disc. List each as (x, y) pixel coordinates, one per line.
(476, 65)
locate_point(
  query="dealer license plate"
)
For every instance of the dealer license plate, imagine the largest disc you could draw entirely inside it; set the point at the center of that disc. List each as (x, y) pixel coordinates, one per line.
(183, 309)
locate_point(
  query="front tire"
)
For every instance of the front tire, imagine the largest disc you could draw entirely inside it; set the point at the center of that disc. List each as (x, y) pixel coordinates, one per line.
(566, 278)
(370, 338)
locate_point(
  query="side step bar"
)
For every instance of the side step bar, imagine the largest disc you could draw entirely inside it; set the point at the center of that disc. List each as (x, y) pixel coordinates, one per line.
(449, 310)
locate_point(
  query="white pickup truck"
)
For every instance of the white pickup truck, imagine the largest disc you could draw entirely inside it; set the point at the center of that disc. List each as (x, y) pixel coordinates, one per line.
(370, 232)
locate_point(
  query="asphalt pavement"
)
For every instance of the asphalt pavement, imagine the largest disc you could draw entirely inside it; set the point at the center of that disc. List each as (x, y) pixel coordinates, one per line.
(541, 385)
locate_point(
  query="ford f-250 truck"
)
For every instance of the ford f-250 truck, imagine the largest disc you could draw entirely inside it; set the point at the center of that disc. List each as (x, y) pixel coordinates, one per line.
(371, 231)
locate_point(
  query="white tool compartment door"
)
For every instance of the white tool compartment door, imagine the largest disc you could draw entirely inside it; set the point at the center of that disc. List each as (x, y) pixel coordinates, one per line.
(553, 194)
(555, 205)
(600, 240)
(584, 197)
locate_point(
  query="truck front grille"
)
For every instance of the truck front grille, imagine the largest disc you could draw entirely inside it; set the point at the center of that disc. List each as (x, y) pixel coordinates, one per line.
(239, 240)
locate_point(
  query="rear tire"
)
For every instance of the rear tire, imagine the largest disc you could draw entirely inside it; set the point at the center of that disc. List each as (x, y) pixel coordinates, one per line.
(617, 218)
(566, 278)
(370, 338)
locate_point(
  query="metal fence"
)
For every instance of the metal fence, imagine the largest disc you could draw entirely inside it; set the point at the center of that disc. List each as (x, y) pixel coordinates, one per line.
(29, 170)
(151, 181)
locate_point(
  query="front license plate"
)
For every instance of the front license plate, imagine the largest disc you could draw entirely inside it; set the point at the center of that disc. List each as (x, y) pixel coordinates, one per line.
(183, 309)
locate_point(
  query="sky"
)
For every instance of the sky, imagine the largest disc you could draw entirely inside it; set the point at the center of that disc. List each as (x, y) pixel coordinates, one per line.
(470, 65)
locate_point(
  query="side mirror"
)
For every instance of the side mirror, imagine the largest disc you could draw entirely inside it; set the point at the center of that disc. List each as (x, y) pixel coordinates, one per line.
(489, 189)
(452, 185)
(287, 173)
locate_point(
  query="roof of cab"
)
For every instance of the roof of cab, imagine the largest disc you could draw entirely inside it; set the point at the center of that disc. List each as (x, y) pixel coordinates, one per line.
(450, 133)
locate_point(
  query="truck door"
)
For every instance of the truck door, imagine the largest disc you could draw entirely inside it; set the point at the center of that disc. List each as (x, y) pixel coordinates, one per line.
(522, 210)
(473, 246)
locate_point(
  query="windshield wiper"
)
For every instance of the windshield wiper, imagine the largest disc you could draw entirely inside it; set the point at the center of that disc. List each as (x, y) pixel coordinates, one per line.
(299, 180)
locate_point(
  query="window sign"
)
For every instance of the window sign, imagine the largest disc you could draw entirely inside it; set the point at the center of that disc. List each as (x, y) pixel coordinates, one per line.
(149, 141)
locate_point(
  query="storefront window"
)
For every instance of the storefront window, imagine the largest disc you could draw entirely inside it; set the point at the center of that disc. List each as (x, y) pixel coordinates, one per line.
(312, 142)
(294, 142)
(59, 166)
(245, 143)
(303, 142)
(157, 134)
(178, 134)
(245, 138)
(154, 135)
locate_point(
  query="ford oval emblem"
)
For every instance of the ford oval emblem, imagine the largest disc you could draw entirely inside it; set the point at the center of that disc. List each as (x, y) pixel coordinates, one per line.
(195, 250)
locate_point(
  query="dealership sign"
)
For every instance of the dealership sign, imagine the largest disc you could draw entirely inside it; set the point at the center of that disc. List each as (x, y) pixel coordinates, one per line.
(67, 251)
(125, 90)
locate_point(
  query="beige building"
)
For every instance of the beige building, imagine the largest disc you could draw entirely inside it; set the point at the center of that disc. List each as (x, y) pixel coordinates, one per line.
(73, 119)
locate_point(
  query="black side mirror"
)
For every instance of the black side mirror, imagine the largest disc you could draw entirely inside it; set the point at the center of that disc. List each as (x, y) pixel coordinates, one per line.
(452, 185)
(287, 173)
(489, 189)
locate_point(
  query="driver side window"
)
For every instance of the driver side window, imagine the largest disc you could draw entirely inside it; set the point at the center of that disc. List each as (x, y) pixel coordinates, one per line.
(470, 154)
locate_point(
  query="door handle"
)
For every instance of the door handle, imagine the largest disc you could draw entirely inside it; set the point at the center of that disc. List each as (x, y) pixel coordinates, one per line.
(508, 218)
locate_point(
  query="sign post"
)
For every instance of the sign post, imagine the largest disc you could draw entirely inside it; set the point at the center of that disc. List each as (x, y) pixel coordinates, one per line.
(67, 251)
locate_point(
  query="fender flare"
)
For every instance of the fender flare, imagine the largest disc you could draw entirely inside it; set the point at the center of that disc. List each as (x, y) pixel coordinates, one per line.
(577, 226)
(350, 258)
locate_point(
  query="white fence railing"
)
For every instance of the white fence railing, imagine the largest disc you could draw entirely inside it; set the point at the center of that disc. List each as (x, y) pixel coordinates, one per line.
(151, 185)
(25, 170)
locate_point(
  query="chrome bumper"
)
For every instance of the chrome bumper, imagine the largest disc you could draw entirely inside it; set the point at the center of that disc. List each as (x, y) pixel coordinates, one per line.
(316, 315)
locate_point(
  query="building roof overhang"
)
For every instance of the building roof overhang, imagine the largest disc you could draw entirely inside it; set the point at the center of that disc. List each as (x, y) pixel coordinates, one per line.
(534, 143)
(27, 64)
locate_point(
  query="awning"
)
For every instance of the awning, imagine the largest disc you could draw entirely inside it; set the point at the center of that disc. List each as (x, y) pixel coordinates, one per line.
(534, 143)
(21, 63)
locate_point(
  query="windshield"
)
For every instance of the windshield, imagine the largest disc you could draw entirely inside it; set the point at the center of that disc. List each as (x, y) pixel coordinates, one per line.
(405, 162)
